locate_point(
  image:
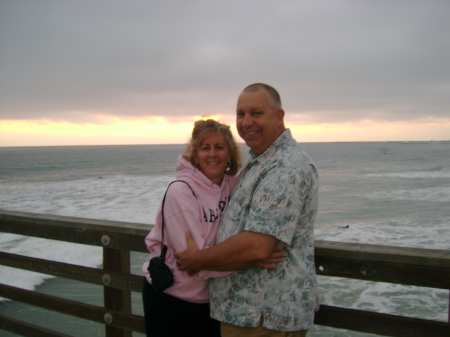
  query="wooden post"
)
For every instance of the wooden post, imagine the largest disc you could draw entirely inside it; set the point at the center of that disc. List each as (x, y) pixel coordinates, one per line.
(119, 261)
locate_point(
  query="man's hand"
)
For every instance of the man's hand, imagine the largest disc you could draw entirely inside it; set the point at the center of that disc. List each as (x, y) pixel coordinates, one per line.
(276, 257)
(243, 250)
(185, 261)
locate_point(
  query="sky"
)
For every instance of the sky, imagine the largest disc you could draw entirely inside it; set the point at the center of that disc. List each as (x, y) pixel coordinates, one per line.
(99, 72)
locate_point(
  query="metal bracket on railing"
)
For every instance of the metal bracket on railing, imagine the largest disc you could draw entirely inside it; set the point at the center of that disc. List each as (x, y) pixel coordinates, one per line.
(106, 279)
(106, 240)
(108, 317)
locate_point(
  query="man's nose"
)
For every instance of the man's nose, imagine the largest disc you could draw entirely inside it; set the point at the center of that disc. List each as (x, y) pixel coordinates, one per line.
(247, 121)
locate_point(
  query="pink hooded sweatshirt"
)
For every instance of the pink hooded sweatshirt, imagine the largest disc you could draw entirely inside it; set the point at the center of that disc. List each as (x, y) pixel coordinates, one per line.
(184, 213)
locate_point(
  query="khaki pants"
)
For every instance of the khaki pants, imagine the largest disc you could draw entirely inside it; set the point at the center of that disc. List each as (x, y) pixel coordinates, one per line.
(230, 330)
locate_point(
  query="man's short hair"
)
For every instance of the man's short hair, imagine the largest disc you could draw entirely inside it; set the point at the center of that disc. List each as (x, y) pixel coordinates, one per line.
(275, 99)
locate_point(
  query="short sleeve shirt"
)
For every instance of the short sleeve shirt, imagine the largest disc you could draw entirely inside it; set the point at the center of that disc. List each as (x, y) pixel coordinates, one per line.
(277, 194)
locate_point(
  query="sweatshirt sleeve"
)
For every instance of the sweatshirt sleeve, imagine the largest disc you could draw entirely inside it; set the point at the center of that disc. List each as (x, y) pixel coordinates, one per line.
(183, 214)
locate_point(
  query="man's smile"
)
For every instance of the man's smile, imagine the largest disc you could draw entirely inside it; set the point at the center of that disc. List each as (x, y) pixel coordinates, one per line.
(249, 134)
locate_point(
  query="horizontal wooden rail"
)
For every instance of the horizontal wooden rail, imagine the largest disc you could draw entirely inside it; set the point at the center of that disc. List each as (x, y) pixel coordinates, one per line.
(27, 329)
(381, 324)
(90, 312)
(115, 280)
(93, 235)
(106, 226)
(402, 265)
(409, 266)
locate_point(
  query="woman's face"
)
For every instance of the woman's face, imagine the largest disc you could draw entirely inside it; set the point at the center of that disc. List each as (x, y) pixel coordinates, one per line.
(213, 157)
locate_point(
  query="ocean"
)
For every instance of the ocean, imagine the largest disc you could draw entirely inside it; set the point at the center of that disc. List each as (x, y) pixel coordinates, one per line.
(388, 193)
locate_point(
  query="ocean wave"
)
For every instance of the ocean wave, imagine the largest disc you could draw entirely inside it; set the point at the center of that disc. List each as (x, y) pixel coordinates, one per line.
(119, 198)
(432, 194)
(400, 232)
(432, 174)
(383, 297)
(88, 256)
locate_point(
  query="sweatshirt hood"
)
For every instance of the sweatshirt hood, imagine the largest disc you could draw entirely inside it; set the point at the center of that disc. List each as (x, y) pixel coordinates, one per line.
(192, 175)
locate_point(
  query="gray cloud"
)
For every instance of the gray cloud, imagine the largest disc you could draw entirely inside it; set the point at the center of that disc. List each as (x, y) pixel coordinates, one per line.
(332, 61)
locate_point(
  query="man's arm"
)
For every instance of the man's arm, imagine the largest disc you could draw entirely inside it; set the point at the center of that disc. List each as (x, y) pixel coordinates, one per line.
(240, 251)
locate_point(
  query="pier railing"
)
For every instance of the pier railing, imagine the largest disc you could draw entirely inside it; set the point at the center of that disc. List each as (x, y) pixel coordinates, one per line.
(418, 267)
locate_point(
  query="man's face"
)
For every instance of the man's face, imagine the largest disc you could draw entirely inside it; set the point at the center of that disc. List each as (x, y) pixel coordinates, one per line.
(257, 122)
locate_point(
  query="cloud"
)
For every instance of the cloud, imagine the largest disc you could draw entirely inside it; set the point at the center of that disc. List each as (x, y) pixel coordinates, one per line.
(332, 61)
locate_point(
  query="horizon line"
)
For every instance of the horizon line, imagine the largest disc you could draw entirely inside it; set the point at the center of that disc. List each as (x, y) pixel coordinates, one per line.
(241, 143)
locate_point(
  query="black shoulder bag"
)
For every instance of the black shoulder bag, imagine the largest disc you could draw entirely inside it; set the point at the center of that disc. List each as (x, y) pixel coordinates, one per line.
(161, 275)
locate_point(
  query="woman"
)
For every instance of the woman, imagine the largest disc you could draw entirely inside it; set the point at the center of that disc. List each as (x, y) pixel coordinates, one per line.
(209, 165)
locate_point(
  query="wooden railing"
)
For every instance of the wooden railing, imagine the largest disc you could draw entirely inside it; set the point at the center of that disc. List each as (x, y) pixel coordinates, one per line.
(418, 267)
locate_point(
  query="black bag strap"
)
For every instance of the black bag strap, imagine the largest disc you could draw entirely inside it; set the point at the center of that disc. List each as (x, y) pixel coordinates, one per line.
(163, 246)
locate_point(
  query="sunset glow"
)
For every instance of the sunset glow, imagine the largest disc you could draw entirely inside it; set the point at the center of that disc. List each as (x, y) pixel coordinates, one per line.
(373, 131)
(155, 130)
(158, 130)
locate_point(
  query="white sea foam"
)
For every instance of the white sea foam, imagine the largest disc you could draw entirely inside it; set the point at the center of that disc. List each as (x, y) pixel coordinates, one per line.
(433, 194)
(44, 249)
(119, 198)
(381, 297)
(414, 175)
(384, 297)
(401, 232)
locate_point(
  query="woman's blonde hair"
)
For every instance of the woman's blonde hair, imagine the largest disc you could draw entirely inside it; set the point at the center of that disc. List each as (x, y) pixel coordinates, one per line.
(202, 130)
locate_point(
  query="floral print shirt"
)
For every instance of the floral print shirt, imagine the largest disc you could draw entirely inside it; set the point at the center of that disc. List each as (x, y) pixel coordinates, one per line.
(276, 194)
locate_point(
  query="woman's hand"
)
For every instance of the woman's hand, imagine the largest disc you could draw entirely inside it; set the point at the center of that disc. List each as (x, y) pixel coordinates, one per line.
(276, 257)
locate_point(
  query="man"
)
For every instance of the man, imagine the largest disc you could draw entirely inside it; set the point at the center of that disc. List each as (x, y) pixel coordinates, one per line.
(274, 203)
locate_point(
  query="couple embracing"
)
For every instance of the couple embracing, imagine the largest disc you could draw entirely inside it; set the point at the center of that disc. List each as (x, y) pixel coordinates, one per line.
(240, 245)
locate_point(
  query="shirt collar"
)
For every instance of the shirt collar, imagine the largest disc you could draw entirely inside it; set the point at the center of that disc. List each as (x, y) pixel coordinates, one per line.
(285, 137)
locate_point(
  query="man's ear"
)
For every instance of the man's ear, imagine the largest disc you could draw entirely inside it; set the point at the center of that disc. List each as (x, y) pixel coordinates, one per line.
(280, 115)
